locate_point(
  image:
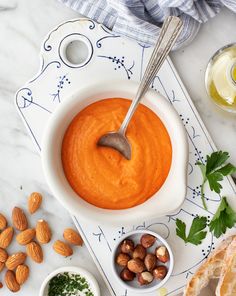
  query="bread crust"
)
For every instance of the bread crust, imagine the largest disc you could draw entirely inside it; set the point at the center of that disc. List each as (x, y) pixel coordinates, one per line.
(227, 282)
(210, 269)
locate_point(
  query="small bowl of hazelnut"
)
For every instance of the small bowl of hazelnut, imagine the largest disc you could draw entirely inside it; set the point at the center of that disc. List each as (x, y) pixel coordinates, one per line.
(142, 261)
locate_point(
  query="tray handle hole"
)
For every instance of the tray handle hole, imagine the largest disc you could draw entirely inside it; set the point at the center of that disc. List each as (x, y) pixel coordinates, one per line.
(77, 52)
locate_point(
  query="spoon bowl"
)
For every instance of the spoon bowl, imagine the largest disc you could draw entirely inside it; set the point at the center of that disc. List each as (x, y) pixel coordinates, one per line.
(118, 141)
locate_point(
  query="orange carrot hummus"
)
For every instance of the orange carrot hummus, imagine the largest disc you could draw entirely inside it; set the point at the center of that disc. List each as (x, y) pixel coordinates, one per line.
(101, 175)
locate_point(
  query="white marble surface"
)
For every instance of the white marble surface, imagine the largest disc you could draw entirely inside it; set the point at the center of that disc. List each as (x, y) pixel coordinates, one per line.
(22, 29)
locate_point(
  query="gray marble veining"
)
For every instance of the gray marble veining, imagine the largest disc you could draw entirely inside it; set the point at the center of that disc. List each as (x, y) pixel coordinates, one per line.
(23, 25)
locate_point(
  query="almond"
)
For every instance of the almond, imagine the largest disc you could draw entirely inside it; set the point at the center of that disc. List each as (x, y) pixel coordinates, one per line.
(3, 255)
(22, 274)
(11, 282)
(43, 232)
(34, 202)
(19, 219)
(34, 251)
(6, 237)
(2, 265)
(26, 236)
(62, 248)
(73, 237)
(3, 222)
(15, 259)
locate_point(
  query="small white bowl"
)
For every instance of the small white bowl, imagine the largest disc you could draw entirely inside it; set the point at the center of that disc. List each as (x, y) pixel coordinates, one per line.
(73, 269)
(165, 201)
(134, 286)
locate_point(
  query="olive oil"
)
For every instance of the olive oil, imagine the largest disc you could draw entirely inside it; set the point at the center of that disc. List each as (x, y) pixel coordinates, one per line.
(220, 78)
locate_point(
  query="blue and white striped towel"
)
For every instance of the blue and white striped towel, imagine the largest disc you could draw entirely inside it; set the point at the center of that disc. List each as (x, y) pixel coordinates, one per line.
(141, 19)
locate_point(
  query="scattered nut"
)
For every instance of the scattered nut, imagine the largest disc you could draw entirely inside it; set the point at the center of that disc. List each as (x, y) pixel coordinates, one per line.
(34, 202)
(145, 278)
(136, 265)
(22, 274)
(147, 240)
(17, 272)
(150, 261)
(2, 265)
(3, 222)
(19, 219)
(127, 246)
(139, 252)
(3, 255)
(43, 232)
(122, 259)
(26, 236)
(73, 237)
(6, 237)
(162, 254)
(35, 252)
(160, 272)
(15, 259)
(62, 248)
(127, 275)
(11, 282)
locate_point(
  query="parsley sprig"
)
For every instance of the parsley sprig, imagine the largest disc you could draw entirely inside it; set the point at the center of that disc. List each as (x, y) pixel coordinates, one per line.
(196, 233)
(225, 217)
(214, 171)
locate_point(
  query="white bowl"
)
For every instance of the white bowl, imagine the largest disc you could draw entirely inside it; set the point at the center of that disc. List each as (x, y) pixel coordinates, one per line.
(170, 196)
(89, 277)
(134, 286)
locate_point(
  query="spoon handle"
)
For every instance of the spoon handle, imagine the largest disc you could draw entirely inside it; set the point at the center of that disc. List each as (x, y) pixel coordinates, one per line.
(170, 30)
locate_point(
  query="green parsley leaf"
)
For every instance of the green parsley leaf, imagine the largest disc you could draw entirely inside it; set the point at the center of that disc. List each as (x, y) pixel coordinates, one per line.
(181, 229)
(196, 233)
(225, 217)
(213, 180)
(228, 169)
(214, 171)
(215, 160)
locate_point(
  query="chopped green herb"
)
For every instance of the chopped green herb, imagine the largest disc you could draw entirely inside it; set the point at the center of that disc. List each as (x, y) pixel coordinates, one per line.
(214, 171)
(196, 233)
(225, 217)
(69, 284)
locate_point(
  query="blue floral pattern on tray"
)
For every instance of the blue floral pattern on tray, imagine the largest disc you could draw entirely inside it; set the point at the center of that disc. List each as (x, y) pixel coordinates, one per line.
(118, 58)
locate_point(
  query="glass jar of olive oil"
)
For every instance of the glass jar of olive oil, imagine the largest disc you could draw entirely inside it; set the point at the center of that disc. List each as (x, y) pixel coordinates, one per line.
(220, 78)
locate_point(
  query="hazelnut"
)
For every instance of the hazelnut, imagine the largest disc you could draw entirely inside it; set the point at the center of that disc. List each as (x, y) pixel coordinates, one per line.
(147, 240)
(159, 272)
(145, 278)
(127, 246)
(139, 252)
(127, 275)
(150, 261)
(136, 265)
(162, 254)
(122, 259)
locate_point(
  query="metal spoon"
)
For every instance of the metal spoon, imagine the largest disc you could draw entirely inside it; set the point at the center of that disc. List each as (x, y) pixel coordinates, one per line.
(170, 30)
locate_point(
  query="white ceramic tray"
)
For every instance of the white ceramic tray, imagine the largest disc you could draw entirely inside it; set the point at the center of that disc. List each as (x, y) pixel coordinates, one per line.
(113, 57)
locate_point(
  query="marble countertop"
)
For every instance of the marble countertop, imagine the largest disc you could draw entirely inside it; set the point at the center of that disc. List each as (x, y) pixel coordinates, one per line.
(23, 26)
